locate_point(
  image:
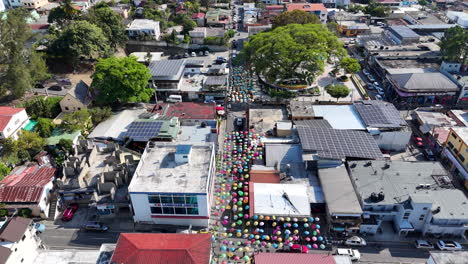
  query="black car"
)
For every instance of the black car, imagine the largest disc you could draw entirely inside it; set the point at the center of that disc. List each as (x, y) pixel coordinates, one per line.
(55, 88)
(39, 86)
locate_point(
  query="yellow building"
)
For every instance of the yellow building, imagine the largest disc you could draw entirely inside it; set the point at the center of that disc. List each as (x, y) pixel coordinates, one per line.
(352, 28)
(456, 153)
(34, 4)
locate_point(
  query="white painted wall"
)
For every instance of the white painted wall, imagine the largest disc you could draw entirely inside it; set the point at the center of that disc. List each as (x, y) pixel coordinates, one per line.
(17, 122)
(44, 203)
(3, 5)
(25, 251)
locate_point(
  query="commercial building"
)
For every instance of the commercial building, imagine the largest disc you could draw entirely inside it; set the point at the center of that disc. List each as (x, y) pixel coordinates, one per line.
(144, 28)
(189, 114)
(402, 35)
(18, 241)
(409, 197)
(173, 184)
(162, 248)
(12, 120)
(352, 28)
(344, 211)
(28, 188)
(317, 9)
(455, 153)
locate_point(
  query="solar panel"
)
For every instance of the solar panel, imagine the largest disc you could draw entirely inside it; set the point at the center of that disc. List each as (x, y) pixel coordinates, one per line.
(339, 143)
(379, 114)
(143, 131)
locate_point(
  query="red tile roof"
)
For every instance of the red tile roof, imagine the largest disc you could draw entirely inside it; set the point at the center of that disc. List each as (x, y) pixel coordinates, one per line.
(6, 113)
(25, 185)
(264, 176)
(306, 7)
(198, 15)
(297, 258)
(188, 110)
(148, 248)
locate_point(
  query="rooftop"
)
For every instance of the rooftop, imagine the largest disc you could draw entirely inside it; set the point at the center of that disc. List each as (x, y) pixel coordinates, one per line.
(453, 257)
(143, 248)
(339, 191)
(306, 7)
(80, 91)
(143, 130)
(58, 134)
(167, 68)
(280, 258)
(143, 24)
(188, 110)
(339, 116)
(13, 230)
(25, 184)
(6, 113)
(407, 65)
(403, 32)
(313, 123)
(196, 134)
(198, 15)
(379, 114)
(143, 56)
(461, 116)
(115, 126)
(434, 119)
(325, 143)
(301, 109)
(263, 119)
(158, 172)
(424, 82)
(280, 199)
(264, 176)
(216, 80)
(354, 24)
(67, 256)
(401, 180)
(462, 132)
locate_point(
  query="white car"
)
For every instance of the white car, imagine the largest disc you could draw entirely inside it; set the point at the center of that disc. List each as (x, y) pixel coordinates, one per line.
(423, 244)
(378, 97)
(355, 241)
(371, 78)
(449, 245)
(353, 254)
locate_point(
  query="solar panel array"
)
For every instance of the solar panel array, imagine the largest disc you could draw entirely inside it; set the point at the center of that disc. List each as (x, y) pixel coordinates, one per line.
(313, 123)
(379, 114)
(143, 131)
(339, 143)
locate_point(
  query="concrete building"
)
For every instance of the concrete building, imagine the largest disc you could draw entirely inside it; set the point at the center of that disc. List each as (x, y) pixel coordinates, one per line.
(344, 212)
(34, 4)
(352, 28)
(14, 3)
(12, 120)
(217, 17)
(455, 153)
(402, 35)
(199, 18)
(336, 3)
(316, 9)
(144, 27)
(453, 257)
(189, 113)
(461, 18)
(78, 97)
(166, 76)
(406, 197)
(264, 119)
(173, 184)
(19, 241)
(28, 188)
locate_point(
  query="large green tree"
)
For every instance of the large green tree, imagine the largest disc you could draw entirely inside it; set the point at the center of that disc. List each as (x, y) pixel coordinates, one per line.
(78, 120)
(111, 24)
(350, 65)
(121, 80)
(20, 66)
(295, 17)
(81, 40)
(454, 45)
(23, 149)
(376, 9)
(337, 91)
(63, 14)
(292, 51)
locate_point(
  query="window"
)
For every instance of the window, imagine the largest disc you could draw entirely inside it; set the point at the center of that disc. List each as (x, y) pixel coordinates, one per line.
(180, 210)
(156, 210)
(166, 199)
(455, 151)
(17, 121)
(168, 210)
(79, 108)
(461, 157)
(179, 199)
(421, 217)
(450, 144)
(192, 200)
(425, 208)
(154, 199)
(454, 136)
(192, 211)
(406, 216)
(185, 156)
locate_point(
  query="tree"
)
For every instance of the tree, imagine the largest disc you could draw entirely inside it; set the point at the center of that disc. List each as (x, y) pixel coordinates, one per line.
(295, 17)
(63, 14)
(111, 24)
(121, 80)
(350, 65)
(31, 141)
(376, 9)
(79, 120)
(192, 7)
(187, 26)
(454, 45)
(423, 2)
(287, 52)
(4, 171)
(10, 152)
(45, 127)
(43, 107)
(99, 114)
(333, 27)
(80, 41)
(66, 145)
(337, 91)
(20, 67)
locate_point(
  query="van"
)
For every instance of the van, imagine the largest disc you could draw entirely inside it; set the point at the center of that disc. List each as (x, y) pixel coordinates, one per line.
(174, 98)
(353, 254)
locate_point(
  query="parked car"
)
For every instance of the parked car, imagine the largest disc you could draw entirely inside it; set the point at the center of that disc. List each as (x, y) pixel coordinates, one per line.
(429, 154)
(449, 245)
(193, 54)
(69, 212)
(221, 60)
(378, 97)
(418, 141)
(56, 88)
(353, 254)
(370, 86)
(39, 227)
(95, 226)
(39, 86)
(200, 53)
(366, 72)
(380, 91)
(355, 241)
(377, 84)
(207, 53)
(371, 78)
(186, 55)
(174, 98)
(423, 244)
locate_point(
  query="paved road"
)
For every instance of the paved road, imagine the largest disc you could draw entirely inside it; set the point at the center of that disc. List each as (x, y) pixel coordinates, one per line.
(62, 238)
(393, 253)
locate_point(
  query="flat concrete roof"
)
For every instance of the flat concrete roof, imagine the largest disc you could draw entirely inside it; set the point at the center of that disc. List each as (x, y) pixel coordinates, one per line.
(270, 199)
(301, 109)
(340, 116)
(339, 192)
(67, 256)
(264, 119)
(158, 172)
(398, 180)
(196, 134)
(116, 125)
(454, 257)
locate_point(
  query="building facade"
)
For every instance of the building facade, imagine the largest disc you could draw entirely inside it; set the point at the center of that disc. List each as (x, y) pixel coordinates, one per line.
(455, 153)
(12, 120)
(144, 27)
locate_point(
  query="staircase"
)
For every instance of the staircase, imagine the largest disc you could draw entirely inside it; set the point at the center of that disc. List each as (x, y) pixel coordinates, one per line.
(53, 206)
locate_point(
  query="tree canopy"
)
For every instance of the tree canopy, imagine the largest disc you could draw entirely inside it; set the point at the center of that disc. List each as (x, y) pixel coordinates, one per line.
(350, 65)
(23, 149)
(111, 24)
(20, 67)
(376, 9)
(295, 17)
(337, 90)
(63, 14)
(80, 41)
(454, 45)
(292, 51)
(121, 80)
(78, 120)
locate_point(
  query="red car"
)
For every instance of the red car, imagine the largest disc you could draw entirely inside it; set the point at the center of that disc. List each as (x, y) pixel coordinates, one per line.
(418, 141)
(69, 212)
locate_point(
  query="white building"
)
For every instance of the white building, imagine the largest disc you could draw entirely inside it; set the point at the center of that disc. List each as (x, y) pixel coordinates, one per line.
(173, 184)
(3, 5)
(11, 121)
(336, 3)
(460, 18)
(18, 241)
(409, 197)
(146, 27)
(14, 3)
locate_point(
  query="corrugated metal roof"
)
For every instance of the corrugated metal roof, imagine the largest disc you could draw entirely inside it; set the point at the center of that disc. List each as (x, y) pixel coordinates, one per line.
(434, 82)
(25, 185)
(216, 80)
(166, 67)
(144, 248)
(297, 258)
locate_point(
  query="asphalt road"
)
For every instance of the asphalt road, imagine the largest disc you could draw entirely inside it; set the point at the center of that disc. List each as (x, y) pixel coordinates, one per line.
(393, 253)
(66, 238)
